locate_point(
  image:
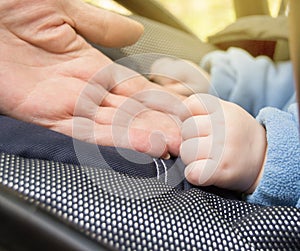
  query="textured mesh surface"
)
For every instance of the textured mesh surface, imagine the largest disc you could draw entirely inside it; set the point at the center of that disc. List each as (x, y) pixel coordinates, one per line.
(162, 39)
(142, 214)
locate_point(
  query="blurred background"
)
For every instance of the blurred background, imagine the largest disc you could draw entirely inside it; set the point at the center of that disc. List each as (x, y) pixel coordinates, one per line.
(203, 17)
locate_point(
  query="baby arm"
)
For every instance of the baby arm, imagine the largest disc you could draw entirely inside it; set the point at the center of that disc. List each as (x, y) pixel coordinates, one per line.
(223, 145)
(280, 183)
(180, 76)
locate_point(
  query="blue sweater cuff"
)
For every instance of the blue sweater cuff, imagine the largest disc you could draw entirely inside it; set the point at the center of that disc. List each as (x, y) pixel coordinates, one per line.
(280, 184)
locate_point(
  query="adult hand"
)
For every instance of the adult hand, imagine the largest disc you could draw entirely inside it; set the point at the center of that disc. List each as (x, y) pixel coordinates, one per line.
(48, 76)
(222, 145)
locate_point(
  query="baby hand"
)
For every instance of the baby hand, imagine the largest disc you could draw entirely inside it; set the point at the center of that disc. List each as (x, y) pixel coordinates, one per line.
(181, 76)
(222, 145)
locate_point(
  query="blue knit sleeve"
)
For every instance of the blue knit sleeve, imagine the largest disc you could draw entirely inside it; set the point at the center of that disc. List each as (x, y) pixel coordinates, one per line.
(280, 184)
(252, 83)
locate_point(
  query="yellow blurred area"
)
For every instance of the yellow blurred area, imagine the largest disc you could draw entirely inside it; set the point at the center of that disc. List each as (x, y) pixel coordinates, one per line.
(110, 5)
(203, 17)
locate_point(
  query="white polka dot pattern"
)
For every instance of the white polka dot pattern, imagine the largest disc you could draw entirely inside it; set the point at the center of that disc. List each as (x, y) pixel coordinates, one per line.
(142, 214)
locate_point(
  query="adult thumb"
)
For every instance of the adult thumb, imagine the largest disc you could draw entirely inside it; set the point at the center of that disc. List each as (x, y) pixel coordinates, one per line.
(101, 26)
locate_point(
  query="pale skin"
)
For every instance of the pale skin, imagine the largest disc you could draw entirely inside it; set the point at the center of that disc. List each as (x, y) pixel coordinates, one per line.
(223, 145)
(50, 76)
(180, 76)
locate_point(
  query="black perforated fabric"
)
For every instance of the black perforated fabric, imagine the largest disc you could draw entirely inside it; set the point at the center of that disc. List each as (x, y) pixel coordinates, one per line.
(145, 214)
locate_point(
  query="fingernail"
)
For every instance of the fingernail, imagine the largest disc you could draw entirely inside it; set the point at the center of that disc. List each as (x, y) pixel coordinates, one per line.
(166, 156)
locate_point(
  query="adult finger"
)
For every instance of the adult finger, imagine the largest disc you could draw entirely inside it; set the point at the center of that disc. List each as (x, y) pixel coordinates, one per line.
(163, 80)
(181, 88)
(130, 137)
(111, 115)
(101, 26)
(120, 80)
(129, 105)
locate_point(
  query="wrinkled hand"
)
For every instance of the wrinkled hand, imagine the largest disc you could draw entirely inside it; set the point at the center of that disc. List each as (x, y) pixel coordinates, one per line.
(52, 77)
(222, 145)
(180, 76)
